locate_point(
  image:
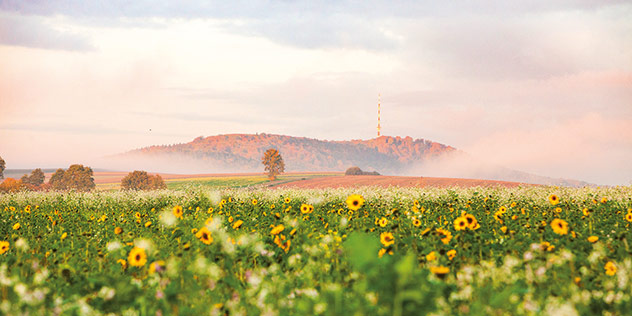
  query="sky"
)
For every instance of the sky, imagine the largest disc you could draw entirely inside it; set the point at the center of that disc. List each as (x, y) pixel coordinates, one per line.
(538, 86)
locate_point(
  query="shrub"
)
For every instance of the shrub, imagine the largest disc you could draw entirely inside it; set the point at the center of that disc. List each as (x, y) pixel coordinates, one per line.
(356, 171)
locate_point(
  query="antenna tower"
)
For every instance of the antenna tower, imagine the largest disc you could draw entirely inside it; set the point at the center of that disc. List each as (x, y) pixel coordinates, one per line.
(379, 128)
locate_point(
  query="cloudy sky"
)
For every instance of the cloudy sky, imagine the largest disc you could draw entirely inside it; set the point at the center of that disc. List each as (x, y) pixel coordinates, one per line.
(539, 86)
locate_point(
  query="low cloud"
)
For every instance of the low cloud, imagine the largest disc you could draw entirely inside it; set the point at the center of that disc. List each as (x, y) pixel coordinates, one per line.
(31, 32)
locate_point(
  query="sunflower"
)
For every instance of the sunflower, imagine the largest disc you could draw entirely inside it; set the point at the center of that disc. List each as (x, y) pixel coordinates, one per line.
(447, 235)
(553, 199)
(628, 217)
(440, 271)
(451, 254)
(471, 221)
(204, 235)
(610, 268)
(586, 211)
(137, 257)
(604, 200)
(157, 266)
(499, 216)
(593, 239)
(381, 253)
(306, 208)
(237, 224)
(279, 240)
(122, 262)
(382, 222)
(416, 222)
(254, 201)
(277, 229)
(148, 224)
(177, 211)
(546, 246)
(559, 226)
(432, 256)
(387, 239)
(460, 223)
(64, 235)
(287, 200)
(4, 246)
(16, 226)
(355, 202)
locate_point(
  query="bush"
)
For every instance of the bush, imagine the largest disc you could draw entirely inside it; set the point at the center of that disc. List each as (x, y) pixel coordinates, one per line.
(10, 185)
(140, 180)
(356, 171)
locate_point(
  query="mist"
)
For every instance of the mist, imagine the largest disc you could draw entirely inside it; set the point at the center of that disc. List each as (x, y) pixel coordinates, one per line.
(462, 165)
(173, 163)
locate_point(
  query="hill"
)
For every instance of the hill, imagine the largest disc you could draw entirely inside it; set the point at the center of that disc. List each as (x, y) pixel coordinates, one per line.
(243, 152)
(385, 154)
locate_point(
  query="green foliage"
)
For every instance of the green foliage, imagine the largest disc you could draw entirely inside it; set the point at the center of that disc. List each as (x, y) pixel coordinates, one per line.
(66, 253)
(273, 163)
(140, 180)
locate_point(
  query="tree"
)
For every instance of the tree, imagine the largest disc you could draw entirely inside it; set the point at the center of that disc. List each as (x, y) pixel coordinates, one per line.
(35, 179)
(3, 165)
(156, 182)
(77, 177)
(56, 181)
(140, 180)
(273, 163)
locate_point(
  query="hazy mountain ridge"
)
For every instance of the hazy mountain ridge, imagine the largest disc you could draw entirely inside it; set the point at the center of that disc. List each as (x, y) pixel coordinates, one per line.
(385, 154)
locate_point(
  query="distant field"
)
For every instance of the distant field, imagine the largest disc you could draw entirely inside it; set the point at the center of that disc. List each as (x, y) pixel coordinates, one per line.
(112, 180)
(393, 181)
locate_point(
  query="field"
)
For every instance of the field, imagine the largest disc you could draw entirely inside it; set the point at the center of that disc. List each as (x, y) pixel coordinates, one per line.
(109, 181)
(367, 251)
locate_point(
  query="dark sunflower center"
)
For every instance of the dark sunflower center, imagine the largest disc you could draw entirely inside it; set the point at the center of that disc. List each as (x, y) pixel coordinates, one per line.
(356, 202)
(137, 257)
(469, 220)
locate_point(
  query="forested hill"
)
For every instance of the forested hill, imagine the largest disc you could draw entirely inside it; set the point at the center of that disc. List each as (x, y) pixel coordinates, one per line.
(243, 152)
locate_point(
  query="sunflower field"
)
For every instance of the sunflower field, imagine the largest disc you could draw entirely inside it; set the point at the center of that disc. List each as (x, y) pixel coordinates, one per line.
(367, 251)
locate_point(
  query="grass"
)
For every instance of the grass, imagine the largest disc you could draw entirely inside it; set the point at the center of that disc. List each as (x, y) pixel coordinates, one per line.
(226, 182)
